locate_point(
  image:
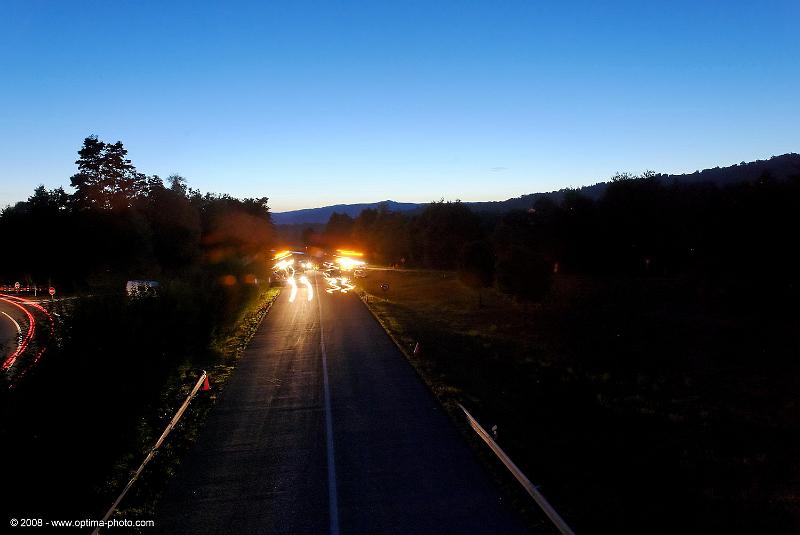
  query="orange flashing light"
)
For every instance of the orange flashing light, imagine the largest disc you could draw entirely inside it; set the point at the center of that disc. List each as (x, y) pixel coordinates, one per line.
(348, 252)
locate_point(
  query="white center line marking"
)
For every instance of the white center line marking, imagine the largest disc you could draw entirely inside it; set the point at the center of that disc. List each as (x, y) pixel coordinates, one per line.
(332, 500)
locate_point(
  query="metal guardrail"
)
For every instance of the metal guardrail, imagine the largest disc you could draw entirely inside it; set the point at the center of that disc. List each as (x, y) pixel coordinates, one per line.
(152, 451)
(548, 509)
(517, 473)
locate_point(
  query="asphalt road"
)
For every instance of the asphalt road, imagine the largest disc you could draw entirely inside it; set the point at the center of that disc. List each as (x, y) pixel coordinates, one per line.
(263, 462)
(8, 329)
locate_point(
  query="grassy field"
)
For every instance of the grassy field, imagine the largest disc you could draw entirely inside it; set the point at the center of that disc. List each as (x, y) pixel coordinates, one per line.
(636, 406)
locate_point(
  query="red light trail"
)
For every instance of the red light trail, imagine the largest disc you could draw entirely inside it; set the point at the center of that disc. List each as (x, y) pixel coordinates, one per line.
(33, 304)
(28, 335)
(18, 302)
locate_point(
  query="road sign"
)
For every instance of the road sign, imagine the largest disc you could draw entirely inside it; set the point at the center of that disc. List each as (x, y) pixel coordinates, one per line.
(52, 291)
(16, 285)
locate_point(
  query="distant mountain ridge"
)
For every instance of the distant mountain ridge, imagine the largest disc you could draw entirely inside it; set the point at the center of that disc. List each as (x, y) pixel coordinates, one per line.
(322, 214)
(779, 167)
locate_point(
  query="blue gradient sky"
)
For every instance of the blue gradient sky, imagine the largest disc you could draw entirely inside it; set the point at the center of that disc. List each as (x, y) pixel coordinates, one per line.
(315, 103)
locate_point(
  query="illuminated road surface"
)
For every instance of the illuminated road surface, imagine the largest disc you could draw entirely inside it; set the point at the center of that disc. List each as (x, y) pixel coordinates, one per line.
(11, 321)
(14, 311)
(391, 463)
(21, 354)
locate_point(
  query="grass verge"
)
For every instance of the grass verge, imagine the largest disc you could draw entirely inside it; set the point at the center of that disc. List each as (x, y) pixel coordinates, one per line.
(226, 348)
(634, 407)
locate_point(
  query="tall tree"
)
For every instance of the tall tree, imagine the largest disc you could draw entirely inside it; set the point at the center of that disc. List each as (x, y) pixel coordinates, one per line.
(339, 230)
(308, 236)
(178, 184)
(123, 183)
(106, 178)
(442, 230)
(476, 265)
(44, 201)
(88, 181)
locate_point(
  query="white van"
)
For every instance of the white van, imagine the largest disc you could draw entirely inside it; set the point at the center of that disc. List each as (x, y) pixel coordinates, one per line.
(142, 288)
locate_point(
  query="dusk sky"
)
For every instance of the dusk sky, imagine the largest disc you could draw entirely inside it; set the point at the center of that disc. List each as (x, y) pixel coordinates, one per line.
(317, 103)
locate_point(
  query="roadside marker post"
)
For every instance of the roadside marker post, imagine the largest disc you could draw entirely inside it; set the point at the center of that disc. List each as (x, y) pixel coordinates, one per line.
(201, 382)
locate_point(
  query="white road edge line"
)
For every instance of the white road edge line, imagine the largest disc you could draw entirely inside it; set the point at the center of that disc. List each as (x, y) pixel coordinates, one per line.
(19, 329)
(332, 499)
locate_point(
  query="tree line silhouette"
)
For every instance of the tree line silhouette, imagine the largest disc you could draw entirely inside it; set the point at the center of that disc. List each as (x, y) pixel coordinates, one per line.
(727, 238)
(113, 362)
(122, 224)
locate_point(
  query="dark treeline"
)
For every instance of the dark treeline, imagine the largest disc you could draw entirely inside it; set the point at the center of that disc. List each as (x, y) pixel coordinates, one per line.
(78, 423)
(121, 224)
(781, 167)
(730, 238)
